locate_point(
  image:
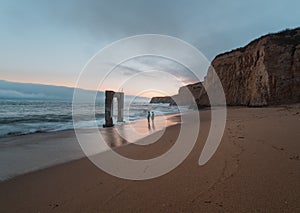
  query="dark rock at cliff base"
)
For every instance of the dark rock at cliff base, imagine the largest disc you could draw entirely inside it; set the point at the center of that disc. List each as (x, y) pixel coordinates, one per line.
(164, 100)
(191, 95)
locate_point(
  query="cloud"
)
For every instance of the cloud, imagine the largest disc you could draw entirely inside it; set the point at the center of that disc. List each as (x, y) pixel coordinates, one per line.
(16, 94)
(145, 64)
(127, 70)
(212, 26)
(52, 40)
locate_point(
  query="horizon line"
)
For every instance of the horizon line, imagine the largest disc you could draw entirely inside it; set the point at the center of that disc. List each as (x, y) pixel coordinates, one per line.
(69, 87)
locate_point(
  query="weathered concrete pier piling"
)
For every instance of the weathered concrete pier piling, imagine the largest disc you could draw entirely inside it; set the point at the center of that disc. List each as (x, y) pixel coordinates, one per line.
(109, 97)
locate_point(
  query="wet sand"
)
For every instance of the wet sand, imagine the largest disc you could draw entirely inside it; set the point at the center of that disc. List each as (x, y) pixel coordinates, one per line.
(27, 153)
(255, 169)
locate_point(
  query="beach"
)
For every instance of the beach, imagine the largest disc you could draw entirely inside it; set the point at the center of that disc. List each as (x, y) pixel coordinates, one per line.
(256, 168)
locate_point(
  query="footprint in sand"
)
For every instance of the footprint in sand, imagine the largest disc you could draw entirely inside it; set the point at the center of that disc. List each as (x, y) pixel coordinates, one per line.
(294, 157)
(277, 148)
(53, 205)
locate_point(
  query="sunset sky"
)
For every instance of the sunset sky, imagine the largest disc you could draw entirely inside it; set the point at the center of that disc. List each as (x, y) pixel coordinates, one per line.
(49, 42)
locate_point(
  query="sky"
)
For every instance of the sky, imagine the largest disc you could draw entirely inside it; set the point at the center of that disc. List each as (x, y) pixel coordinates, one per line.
(49, 42)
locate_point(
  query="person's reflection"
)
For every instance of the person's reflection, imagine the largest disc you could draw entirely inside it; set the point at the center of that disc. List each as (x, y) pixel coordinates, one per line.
(153, 126)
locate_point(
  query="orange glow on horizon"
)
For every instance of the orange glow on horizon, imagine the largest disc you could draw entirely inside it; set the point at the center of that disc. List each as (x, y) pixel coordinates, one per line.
(147, 94)
(32, 81)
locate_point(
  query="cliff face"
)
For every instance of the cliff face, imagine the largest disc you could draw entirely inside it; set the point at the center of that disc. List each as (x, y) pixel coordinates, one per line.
(265, 72)
(186, 94)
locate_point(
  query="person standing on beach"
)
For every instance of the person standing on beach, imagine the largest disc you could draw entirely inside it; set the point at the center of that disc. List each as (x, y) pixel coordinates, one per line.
(148, 117)
(152, 117)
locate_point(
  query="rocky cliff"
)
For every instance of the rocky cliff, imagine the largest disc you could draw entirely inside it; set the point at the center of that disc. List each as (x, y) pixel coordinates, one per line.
(186, 94)
(165, 99)
(265, 72)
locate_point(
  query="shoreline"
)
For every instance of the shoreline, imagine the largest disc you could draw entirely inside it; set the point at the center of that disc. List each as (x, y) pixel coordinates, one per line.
(70, 129)
(40, 142)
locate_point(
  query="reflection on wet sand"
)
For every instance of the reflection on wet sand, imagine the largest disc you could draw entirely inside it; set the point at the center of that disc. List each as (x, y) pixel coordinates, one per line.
(112, 138)
(153, 126)
(134, 131)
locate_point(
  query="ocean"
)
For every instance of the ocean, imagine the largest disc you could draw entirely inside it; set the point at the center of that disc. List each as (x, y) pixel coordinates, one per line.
(31, 152)
(21, 117)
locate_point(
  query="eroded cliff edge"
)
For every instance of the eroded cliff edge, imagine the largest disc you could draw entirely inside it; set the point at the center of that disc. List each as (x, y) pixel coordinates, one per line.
(264, 72)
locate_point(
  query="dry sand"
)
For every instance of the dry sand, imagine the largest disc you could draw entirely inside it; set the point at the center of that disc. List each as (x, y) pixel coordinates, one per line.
(255, 169)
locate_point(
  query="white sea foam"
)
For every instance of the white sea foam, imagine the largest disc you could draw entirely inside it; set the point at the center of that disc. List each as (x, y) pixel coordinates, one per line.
(20, 117)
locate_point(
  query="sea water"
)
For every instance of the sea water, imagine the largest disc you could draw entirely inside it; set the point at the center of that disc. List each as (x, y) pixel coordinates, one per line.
(21, 117)
(19, 155)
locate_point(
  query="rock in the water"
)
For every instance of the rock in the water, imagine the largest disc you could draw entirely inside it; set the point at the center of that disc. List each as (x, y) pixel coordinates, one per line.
(165, 99)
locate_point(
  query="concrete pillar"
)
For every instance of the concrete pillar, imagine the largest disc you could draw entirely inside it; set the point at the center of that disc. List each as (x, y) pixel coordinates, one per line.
(109, 96)
(120, 106)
